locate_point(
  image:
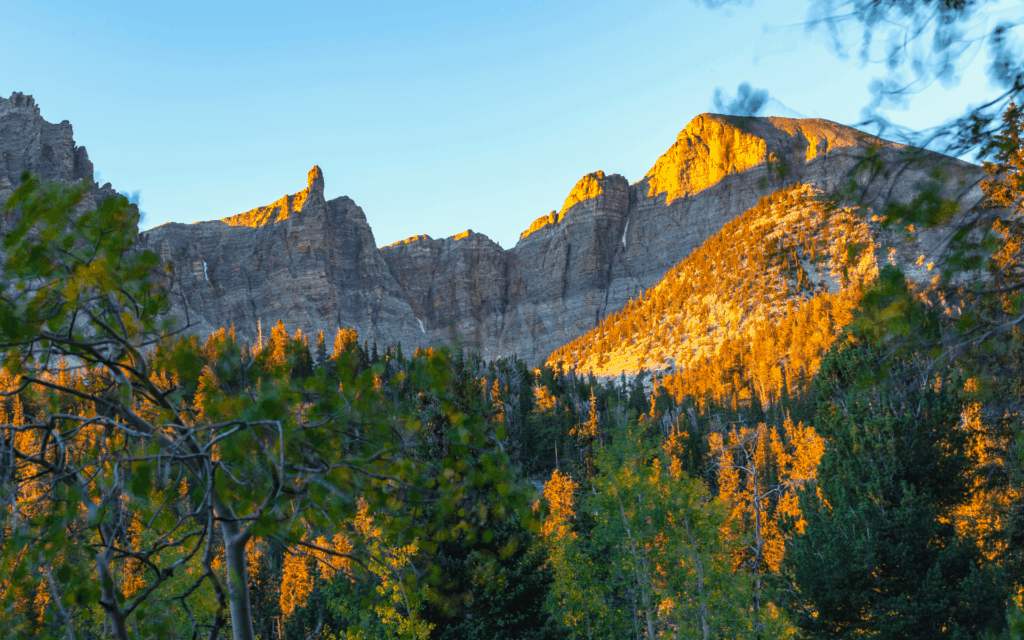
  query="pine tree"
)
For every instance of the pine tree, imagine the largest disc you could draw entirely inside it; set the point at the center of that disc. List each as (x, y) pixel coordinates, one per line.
(321, 350)
(880, 555)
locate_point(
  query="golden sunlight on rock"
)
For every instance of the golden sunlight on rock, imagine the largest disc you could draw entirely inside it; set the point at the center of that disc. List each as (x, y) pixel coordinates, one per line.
(409, 240)
(707, 150)
(766, 295)
(713, 147)
(540, 223)
(823, 136)
(587, 188)
(282, 209)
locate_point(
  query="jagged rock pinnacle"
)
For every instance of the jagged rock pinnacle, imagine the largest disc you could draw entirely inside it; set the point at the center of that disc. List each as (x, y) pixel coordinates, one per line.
(315, 180)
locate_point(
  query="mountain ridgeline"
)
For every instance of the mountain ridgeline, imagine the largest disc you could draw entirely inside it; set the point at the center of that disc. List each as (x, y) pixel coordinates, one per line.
(314, 264)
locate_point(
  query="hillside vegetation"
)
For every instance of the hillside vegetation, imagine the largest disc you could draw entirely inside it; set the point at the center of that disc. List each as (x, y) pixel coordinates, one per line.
(750, 312)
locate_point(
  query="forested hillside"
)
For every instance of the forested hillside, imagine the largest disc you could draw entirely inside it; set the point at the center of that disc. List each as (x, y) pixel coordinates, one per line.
(749, 313)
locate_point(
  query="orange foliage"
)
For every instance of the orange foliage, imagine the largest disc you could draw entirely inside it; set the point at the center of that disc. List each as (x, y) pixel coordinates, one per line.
(759, 471)
(296, 583)
(750, 312)
(343, 340)
(543, 399)
(330, 564)
(558, 493)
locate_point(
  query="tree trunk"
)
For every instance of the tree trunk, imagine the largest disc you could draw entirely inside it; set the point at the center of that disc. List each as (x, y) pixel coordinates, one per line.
(650, 625)
(60, 605)
(108, 597)
(238, 581)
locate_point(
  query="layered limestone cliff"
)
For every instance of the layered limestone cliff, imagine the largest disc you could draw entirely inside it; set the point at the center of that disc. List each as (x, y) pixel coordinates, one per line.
(314, 264)
(310, 262)
(526, 301)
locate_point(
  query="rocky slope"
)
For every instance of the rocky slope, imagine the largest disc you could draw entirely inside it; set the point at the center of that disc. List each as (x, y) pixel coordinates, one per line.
(612, 240)
(314, 263)
(750, 311)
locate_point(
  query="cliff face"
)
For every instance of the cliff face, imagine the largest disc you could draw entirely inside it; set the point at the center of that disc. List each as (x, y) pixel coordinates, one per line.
(310, 262)
(314, 263)
(559, 274)
(30, 143)
(721, 165)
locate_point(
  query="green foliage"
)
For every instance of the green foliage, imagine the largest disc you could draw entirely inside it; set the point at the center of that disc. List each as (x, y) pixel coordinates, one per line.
(492, 589)
(174, 456)
(646, 552)
(880, 554)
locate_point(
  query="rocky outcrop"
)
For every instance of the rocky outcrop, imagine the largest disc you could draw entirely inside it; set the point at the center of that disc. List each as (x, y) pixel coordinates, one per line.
(559, 274)
(456, 287)
(314, 263)
(308, 261)
(30, 143)
(720, 166)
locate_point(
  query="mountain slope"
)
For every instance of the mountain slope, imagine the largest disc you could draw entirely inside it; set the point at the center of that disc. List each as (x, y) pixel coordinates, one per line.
(751, 311)
(608, 243)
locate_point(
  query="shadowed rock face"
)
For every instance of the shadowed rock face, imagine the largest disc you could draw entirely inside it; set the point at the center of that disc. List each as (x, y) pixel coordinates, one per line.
(314, 264)
(310, 262)
(526, 301)
(30, 143)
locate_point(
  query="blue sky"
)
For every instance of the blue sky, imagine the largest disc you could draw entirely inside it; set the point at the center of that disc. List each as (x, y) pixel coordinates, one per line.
(434, 117)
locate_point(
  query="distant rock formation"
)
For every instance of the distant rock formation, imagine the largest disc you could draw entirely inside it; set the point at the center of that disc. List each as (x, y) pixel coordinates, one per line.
(310, 262)
(30, 143)
(314, 263)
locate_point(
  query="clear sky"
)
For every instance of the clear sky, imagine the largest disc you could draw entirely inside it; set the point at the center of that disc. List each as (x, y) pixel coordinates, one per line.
(434, 117)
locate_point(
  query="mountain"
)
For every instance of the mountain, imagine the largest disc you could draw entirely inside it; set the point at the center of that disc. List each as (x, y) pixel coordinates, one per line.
(30, 143)
(314, 263)
(749, 312)
(308, 261)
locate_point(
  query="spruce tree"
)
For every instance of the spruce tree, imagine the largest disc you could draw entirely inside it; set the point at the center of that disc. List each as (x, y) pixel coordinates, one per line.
(880, 555)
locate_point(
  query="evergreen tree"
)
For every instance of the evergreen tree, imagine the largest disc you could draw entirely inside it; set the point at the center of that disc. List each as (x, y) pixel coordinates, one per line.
(321, 350)
(880, 554)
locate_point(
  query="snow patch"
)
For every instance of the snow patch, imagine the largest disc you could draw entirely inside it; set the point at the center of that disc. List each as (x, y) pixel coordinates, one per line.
(204, 271)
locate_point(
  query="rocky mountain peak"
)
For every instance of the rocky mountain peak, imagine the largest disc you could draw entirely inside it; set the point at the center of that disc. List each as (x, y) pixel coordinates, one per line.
(20, 102)
(314, 263)
(285, 208)
(590, 187)
(30, 143)
(712, 147)
(315, 180)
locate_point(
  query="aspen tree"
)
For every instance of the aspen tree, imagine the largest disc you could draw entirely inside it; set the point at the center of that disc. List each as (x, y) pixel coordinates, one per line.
(760, 471)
